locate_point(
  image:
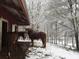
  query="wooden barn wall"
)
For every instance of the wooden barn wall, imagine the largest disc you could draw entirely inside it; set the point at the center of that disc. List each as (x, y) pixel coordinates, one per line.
(7, 15)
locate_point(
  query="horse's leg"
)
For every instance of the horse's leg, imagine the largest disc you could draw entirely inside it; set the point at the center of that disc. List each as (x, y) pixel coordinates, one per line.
(32, 42)
(44, 42)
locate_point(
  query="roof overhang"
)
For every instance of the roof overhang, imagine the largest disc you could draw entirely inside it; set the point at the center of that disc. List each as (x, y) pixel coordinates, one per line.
(17, 10)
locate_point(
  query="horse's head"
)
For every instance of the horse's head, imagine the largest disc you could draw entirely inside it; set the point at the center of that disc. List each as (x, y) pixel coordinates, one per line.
(29, 30)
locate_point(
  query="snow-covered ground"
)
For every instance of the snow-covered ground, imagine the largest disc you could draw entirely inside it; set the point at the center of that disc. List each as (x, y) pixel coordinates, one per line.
(51, 52)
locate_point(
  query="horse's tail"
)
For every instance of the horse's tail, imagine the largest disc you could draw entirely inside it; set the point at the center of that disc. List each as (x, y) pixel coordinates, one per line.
(43, 35)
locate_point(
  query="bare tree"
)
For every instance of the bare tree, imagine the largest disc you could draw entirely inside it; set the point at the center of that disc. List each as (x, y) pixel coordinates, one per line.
(74, 20)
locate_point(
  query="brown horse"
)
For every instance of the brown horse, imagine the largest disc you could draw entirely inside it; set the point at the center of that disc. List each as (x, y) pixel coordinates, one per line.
(37, 35)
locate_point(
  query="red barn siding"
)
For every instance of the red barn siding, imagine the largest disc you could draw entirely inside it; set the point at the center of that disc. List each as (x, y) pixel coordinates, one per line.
(7, 15)
(11, 15)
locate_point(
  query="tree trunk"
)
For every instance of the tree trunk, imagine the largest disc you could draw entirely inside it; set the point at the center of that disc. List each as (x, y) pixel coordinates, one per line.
(76, 38)
(72, 40)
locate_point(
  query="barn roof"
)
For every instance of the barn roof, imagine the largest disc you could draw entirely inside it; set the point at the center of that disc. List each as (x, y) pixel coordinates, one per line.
(16, 10)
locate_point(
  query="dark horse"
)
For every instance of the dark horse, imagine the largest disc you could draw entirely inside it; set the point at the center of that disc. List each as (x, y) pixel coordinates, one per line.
(37, 35)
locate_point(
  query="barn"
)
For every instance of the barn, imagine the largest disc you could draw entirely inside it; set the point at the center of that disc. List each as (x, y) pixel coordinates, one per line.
(12, 14)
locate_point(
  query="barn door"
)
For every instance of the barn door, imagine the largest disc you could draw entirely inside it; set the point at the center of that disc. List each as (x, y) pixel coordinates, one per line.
(4, 35)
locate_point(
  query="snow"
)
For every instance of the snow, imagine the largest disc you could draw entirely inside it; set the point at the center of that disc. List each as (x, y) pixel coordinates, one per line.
(24, 40)
(51, 52)
(20, 39)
